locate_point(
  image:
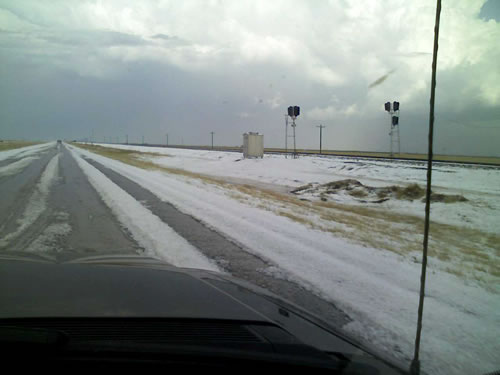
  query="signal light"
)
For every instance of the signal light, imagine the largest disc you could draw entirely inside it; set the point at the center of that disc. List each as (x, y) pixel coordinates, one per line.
(293, 111)
(387, 106)
(395, 106)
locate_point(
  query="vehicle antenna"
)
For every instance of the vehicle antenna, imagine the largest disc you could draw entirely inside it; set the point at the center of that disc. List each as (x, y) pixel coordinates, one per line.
(415, 364)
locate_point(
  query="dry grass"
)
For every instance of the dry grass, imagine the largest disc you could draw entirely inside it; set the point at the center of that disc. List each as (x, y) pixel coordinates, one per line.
(444, 198)
(10, 145)
(359, 193)
(465, 250)
(357, 190)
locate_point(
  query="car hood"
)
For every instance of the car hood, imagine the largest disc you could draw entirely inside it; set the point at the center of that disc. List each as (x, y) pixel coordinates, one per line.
(141, 287)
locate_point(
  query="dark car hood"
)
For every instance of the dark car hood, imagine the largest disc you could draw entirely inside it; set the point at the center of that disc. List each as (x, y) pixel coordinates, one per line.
(139, 287)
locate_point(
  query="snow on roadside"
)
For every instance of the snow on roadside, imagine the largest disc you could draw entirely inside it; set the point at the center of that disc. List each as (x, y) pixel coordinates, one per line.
(379, 290)
(37, 202)
(16, 166)
(479, 184)
(25, 151)
(148, 230)
(274, 168)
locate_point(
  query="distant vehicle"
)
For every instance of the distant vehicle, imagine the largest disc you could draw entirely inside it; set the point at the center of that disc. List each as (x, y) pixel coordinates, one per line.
(59, 141)
(134, 312)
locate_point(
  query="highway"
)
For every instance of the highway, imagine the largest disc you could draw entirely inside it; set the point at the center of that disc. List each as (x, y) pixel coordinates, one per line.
(50, 210)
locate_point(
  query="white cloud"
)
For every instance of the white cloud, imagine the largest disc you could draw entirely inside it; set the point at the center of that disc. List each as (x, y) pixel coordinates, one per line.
(331, 112)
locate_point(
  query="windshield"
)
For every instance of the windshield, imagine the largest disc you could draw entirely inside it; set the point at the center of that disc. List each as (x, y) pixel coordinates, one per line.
(283, 143)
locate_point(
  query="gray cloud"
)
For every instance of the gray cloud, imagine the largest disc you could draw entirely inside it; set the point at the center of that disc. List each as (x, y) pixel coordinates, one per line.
(145, 69)
(97, 38)
(490, 10)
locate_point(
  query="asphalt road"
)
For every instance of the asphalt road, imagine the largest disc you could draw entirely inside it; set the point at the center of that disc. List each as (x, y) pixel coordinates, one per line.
(50, 209)
(69, 221)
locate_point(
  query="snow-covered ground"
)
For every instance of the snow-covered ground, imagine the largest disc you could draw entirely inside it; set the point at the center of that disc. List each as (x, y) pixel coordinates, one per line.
(377, 288)
(480, 185)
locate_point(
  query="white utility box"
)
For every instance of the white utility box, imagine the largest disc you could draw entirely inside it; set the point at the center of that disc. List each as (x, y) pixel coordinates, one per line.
(253, 145)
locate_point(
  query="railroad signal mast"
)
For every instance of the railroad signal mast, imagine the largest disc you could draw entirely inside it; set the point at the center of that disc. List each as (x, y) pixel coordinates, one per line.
(294, 112)
(393, 110)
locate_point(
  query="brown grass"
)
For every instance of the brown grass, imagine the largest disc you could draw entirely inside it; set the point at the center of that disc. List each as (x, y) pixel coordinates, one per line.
(10, 145)
(358, 193)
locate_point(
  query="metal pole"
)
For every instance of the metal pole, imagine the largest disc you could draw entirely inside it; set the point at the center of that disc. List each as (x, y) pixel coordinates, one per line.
(390, 132)
(127, 138)
(320, 131)
(286, 136)
(415, 364)
(212, 139)
(167, 139)
(320, 137)
(399, 136)
(294, 143)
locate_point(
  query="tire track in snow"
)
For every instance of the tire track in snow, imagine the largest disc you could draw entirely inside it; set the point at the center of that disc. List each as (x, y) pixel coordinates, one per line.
(16, 166)
(48, 240)
(37, 203)
(159, 239)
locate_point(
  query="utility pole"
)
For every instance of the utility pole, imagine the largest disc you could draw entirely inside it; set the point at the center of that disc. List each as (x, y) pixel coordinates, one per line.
(286, 135)
(212, 139)
(293, 112)
(321, 127)
(143, 139)
(127, 138)
(167, 139)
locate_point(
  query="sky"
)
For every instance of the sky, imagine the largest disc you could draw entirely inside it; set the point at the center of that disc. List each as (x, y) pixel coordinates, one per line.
(108, 69)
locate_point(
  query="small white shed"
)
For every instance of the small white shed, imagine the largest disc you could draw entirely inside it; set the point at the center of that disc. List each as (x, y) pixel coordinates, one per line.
(253, 145)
